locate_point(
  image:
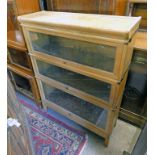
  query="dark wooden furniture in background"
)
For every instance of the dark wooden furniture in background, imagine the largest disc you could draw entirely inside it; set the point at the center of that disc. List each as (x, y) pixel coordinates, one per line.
(117, 7)
(138, 8)
(134, 103)
(18, 59)
(15, 8)
(24, 82)
(17, 137)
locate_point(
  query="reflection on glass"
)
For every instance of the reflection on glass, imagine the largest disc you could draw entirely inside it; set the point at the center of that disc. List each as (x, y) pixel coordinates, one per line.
(90, 54)
(86, 84)
(19, 58)
(22, 84)
(81, 108)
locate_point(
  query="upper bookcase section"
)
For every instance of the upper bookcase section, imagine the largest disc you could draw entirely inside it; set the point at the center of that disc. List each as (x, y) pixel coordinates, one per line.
(118, 28)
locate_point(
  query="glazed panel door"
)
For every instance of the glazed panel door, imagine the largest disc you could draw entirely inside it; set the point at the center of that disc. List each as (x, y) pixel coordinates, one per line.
(94, 55)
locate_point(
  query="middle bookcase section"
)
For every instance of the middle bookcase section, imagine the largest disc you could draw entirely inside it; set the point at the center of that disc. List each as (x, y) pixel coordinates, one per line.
(94, 55)
(83, 83)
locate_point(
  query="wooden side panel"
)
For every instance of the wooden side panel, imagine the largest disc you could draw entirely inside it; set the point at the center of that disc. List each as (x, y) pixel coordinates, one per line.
(10, 25)
(16, 8)
(140, 41)
(14, 35)
(27, 6)
(13, 148)
(83, 6)
(120, 7)
(89, 6)
(18, 142)
(107, 7)
(140, 9)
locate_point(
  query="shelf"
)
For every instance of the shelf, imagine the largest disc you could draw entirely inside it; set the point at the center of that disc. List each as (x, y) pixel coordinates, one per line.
(23, 72)
(26, 80)
(138, 1)
(139, 62)
(19, 58)
(132, 118)
(21, 84)
(15, 40)
(134, 107)
(81, 108)
(140, 41)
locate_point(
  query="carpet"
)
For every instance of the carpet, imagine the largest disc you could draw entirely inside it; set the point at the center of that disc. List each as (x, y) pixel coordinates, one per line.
(50, 136)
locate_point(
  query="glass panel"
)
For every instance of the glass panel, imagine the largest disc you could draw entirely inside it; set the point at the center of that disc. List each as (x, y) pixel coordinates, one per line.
(22, 84)
(135, 93)
(19, 58)
(90, 54)
(81, 108)
(86, 84)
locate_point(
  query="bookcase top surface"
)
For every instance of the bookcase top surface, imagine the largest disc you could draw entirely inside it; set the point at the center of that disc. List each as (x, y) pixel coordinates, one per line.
(118, 27)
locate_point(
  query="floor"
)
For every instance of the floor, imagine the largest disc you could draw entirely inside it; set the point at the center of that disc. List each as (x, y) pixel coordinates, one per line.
(123, 138)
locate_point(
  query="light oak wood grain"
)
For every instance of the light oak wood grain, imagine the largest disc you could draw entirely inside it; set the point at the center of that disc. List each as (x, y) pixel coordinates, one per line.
(113, 31)
(140, 41)
(118, 27)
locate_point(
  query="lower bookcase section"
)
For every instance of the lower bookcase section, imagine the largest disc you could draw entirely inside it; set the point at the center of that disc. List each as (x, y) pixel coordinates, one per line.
(77, 106)
(97, 119)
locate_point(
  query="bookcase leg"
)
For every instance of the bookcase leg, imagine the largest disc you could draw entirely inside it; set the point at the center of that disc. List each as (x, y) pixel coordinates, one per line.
(115, 121)
(44, 106)
(106, 141)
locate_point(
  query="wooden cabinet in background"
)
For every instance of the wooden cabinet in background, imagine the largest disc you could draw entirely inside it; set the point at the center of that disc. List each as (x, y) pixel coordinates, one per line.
(14, 32)
(134, 103)
(24, 82)
(19, 58)
(17, 55)
(138, 8)
(117, 7)
(14, 9)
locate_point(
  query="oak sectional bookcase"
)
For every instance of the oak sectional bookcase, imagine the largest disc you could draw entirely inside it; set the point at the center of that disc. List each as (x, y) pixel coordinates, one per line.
(81, 64)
